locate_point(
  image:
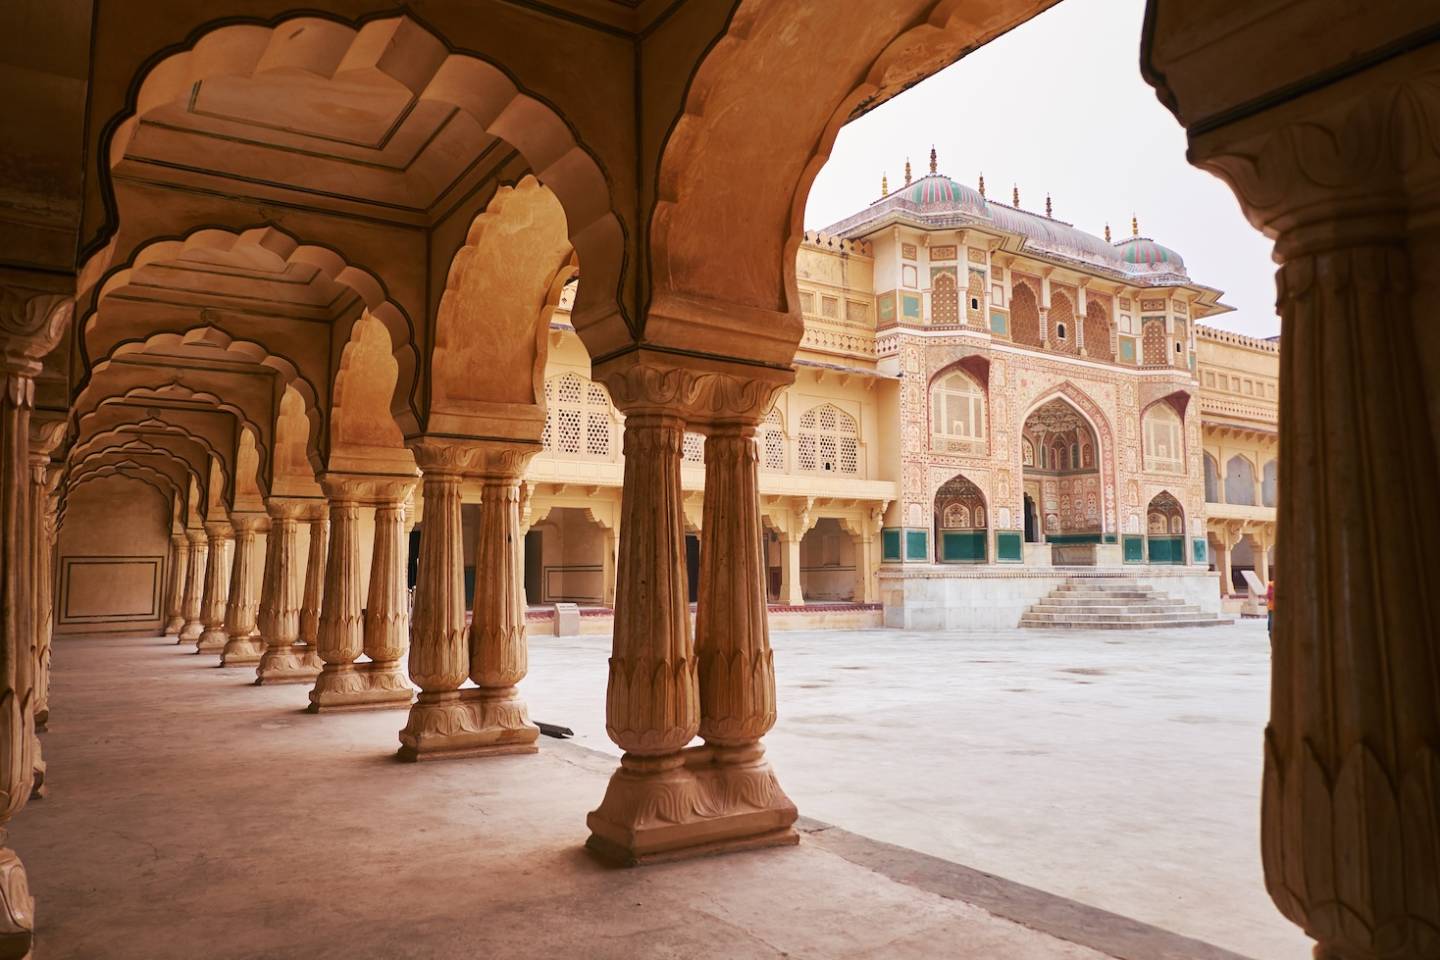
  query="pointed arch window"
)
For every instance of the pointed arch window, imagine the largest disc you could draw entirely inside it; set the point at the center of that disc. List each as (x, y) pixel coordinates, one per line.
(1163, 430)
(957, 407)
(772, 441)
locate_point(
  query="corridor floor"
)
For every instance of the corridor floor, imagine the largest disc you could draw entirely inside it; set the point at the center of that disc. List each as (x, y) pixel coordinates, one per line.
(194, 815)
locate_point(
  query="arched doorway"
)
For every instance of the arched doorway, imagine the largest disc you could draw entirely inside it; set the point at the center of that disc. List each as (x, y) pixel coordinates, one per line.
(1060, 456)
(961, 522)
(1165, 530)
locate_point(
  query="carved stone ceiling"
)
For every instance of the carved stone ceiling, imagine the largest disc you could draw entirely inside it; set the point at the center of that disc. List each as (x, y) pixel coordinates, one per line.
(1054, 417)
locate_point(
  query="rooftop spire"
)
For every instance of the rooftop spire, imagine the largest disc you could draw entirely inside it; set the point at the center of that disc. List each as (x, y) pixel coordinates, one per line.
(884, 185)
(1107, 233)
(1047, 204)
(1134, 226)
(933, 161)
(907, 171)
(1015, 196)
(982, 184)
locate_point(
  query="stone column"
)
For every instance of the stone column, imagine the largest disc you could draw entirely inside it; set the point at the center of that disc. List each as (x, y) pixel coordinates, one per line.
(45, 435)
(353, 620)
(340, 635)
(194, 587)
(489, 719)
(439, 652)
(652, 707)
(217, 588)
(791, 593)
(612, 546)
(1348, 183)
(499, 654)
(31, 323)
(175, 588)
(387, 604)
(243, 645)
(747, 807)
(318, 519)
(1227, 570)
(284, 659)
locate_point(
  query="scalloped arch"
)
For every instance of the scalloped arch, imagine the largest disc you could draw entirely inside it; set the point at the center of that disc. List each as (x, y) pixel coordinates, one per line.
(405, 52)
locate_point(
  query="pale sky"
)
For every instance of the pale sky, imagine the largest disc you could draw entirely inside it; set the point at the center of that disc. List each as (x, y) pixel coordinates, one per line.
(1058, 105)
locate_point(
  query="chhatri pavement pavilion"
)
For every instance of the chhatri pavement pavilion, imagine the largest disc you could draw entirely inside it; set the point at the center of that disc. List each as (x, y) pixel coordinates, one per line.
(278, 285)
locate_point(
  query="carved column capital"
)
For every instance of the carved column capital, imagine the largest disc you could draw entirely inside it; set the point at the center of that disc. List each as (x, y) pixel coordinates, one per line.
(32, 321)
(474, 457)
(1342, 167)
(218, 529)
(292, 508)
(703, 390)
(367, 489)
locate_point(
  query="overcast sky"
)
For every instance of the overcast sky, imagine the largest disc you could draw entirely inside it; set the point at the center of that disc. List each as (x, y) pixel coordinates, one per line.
(1058, 105)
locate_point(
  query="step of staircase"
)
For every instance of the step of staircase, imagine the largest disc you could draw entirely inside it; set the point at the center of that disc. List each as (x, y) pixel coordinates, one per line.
(1114, 603)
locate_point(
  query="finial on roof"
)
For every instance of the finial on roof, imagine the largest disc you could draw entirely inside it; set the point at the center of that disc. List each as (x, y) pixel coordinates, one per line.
(1015, 196)
(884, 185)
(982, 184)
(1047, 205)
(1134, 226)
(932, 158)
(1107, 233)
(907, 171)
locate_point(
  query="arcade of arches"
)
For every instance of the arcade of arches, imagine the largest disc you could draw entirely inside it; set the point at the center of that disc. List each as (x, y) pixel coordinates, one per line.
(291, 320)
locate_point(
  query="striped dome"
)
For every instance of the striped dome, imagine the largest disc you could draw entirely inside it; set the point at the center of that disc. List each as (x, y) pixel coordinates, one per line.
(1144, 252)
(937, 191)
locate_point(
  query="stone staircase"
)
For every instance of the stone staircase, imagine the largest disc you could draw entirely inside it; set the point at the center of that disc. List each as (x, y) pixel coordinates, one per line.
(1114, 603)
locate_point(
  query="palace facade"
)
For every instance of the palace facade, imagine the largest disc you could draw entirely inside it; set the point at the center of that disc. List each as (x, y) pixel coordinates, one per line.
(987, 398)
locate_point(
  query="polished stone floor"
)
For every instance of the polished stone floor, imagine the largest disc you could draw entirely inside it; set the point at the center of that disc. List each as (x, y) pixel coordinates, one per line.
(193, 815)
(1118, 769)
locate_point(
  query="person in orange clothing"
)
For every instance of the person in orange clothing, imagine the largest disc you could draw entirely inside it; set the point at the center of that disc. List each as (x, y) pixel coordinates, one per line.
(1270, 608)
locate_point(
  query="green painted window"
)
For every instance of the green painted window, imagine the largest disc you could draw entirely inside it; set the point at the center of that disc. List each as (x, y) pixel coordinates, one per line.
(999, 323)
(1167, 549)
(917, 545)
(1127, 349)
(910, 306)
(1200, 546)
(890, 544)
(1009, 547)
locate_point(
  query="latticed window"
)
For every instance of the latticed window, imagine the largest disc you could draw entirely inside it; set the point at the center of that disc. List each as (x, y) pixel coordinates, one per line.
(772, 442)
(958, 407)
(694, 449)
(828, 442)
(578, 422)
(1163, 449)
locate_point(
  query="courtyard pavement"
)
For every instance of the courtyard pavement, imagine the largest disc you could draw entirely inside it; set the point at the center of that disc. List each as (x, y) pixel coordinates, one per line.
(1119, 769)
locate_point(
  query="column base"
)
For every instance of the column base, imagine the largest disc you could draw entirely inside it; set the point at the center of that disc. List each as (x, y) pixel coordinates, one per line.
(297, 664)
(242, 651)
(191, 632)
(211, 641)
(360, 686)
(467, 723)
(173, 627)
(17, 907)
(702, 801)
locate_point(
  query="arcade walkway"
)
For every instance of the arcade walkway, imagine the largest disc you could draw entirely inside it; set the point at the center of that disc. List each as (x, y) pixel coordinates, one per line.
(192, 815)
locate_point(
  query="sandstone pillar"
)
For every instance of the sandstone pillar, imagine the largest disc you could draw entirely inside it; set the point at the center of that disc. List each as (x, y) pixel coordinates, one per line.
(284, 659)
(439, 653)
(652, 706)
(352, 620)
(387, 604)
(499, 654)
(664, 801)
(194, 587)
(791, 593)
(318, 519)
(732, 633)
(175, 587)
(31, 323)
(243, 645)
(44, 437)
(612, 546)
(217, 588)
(1347, 181)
